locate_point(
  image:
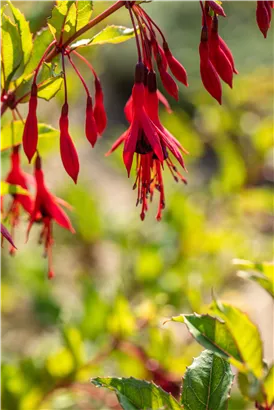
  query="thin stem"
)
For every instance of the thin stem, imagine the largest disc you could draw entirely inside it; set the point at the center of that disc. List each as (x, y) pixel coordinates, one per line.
(19, 115)
(65, 80)
(42, 60)
(145, 47)
(86, 62)
(154, 24)
(79, 75)
(204, 14)
(135, 31)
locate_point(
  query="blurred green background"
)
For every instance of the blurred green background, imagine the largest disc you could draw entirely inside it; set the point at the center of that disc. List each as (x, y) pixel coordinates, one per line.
(118, 278)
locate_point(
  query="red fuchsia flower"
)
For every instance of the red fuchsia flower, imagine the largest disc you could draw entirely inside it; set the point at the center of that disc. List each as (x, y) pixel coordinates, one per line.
(46, 210)
(30, 135)
(151, 149)
(91, 127)
(17, 177)
(99, 109)
(263, 16)
(5, 234)
(68, 152)
(208, 72)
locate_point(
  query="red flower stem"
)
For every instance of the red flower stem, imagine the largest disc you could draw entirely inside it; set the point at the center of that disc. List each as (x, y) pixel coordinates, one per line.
(86, 62)
(65, 80)
(154, 24)
(42, 60)
(135, 31)
(144, 40)
(19, 115)
(204, 14)
(79, 75)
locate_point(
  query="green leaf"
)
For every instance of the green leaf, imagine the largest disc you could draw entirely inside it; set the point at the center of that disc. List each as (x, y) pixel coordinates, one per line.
(136, 394)
(11, 53)
(261, 273)
(12, 132)
(245, 334)
(7, 188)
(83, 13)
(250, 387)
(212, 334)
(56, 22)
(268, 387)
(48, 85)
(25, 36)
(109, 35)
(207, 383)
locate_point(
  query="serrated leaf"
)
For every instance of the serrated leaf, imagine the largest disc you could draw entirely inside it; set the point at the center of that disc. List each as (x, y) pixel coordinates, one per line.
(268, 387)
(245, 334)
(212, 334)
(134, 394)
(11, 51)
(84, 11)
(207, 383)
(25, 36)
(57, 20)
(12, 132)
(109, 35)
(7, 188)
(261, 273)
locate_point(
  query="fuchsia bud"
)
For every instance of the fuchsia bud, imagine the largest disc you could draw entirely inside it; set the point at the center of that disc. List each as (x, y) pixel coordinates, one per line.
(218, 57)
(175, 66)
(159, 54)
(30, 136)
(68, 152)
(216, 8)
(91, 129)
(169, 84)
(209, 75)
(228, 54)
(262, 15)
(99, 109)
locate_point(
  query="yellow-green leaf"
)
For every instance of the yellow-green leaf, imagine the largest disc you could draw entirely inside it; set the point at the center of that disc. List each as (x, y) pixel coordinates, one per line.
(7, 188)
(57, 20)
(109, 35)
(11, 53)
(245, 334)
(268, 387)
(12, 132)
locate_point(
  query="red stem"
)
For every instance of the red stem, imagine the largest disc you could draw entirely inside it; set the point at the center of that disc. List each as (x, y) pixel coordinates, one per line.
(79, 75)
(42, 60)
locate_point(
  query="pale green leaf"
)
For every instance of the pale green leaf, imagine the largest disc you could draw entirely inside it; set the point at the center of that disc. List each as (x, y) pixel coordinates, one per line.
(136, 394)
(12, 133)
(25, 36)
(7, 188)
(261, 273)
(11, 51)
(57, 20)
(250, 387)
(207, 383)
(213, 334)
(109, 35)
(83, 13)
(245, 334)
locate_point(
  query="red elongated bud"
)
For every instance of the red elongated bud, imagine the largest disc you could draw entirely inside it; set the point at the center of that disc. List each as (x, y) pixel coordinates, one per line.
(99, 109)
(209, 75)
(228, 54)
(30, 135)
(217, 8)
(268, 9)
(159, 54)
(91, 128)
(68, 152)
(218, 57)
(175, 66)
(262, 17)
(169, 84)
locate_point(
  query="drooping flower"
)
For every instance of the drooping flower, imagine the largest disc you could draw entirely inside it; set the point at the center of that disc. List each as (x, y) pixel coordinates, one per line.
(91, 127)
(263, 16)
(30, 135)
(151, 149)
(99, 109)
(16, 176)
(68, 151)
(47, 210)
(175, 66)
